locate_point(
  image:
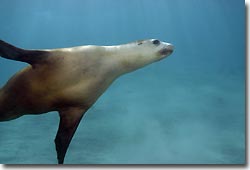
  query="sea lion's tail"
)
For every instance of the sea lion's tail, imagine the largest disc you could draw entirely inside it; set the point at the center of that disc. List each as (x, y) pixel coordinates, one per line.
(11, 52)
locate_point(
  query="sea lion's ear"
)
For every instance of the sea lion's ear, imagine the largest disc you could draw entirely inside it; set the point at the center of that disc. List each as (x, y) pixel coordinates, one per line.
(11, 52)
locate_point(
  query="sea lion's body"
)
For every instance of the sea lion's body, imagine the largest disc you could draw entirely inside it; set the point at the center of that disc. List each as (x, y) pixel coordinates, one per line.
(54, 85)
(69, 80)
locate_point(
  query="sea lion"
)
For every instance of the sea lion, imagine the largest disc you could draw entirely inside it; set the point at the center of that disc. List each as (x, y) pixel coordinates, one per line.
(70, 80)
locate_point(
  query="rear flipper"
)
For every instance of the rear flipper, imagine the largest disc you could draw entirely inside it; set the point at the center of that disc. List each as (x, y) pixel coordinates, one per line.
(69, 121)
(29, 56)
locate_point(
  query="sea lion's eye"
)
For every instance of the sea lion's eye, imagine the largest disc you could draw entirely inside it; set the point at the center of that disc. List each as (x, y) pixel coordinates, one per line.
(156, 42)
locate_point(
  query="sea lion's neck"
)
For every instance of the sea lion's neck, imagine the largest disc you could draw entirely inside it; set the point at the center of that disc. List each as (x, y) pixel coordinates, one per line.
(124, 57)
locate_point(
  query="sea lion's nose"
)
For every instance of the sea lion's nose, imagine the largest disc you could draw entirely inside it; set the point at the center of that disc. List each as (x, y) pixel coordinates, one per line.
(170, 47)
(167, 49)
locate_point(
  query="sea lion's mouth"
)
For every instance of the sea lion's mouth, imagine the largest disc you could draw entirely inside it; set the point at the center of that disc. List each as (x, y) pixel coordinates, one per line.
(166, 51)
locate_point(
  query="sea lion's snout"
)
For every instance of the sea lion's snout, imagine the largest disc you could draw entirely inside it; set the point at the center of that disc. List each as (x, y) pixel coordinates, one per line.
(170, 48)
(167, 49)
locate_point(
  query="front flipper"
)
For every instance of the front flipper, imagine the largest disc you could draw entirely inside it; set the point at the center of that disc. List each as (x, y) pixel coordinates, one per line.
(32, 57)
(69, 120)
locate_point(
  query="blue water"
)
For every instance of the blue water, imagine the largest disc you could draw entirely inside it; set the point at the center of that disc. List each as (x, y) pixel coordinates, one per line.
(186, 109)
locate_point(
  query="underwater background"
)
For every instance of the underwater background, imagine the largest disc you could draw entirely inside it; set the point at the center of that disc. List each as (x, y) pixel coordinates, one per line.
(186, 109)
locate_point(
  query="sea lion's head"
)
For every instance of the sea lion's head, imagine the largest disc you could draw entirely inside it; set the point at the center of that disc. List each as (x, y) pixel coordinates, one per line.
(143, 52)
(156, 48)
